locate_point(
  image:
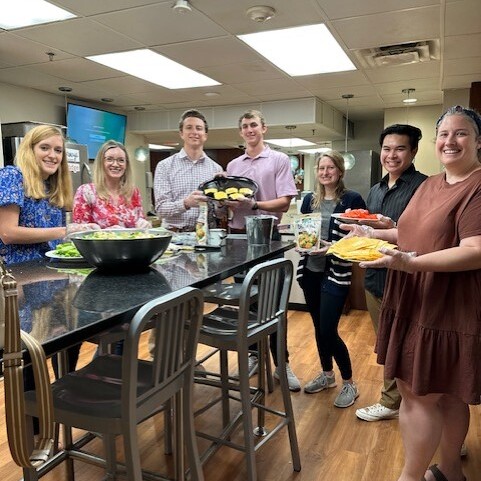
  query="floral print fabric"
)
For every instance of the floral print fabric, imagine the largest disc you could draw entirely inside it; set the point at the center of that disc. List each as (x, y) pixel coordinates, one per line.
(89, 207)
(33, 213)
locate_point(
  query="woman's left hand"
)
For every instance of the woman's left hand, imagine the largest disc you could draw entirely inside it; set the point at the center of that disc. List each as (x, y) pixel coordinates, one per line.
(143, 224)
(392, 259)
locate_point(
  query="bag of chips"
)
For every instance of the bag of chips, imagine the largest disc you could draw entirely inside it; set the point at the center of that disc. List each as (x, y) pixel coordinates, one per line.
(202, 225)
(307, 230)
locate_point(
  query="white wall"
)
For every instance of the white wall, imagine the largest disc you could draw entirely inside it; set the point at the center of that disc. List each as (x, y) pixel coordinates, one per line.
(19, 104)
(425, 119)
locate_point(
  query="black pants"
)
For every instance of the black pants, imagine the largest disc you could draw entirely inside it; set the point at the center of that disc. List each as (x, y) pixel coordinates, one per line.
(326, 310)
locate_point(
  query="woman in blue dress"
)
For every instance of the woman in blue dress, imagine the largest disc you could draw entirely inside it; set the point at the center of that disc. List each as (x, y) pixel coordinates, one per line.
(34, 196)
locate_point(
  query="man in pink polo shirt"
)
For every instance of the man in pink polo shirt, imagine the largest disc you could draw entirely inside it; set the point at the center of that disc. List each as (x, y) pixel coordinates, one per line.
(272, 172)
(269, 168)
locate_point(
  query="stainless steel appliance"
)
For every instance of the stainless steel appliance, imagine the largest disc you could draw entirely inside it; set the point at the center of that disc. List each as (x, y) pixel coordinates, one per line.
(13, 134)
(365, 172)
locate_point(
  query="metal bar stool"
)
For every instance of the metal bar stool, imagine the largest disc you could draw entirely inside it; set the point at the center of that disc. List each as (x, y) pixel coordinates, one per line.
(230, 329)
(113, 394)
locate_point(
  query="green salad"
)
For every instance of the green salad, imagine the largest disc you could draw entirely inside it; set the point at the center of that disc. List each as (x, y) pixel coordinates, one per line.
(67, 249)
(119, 235)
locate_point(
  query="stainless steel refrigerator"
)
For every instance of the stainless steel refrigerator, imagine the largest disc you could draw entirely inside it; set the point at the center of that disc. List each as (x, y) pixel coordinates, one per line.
(77, 156)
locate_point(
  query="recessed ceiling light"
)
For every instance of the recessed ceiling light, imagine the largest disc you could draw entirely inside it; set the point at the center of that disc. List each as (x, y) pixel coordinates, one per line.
(212, 94)
(23, 13)
(107, 99)
(160, 147)
(139, 108)
(315, 151)
(306, 50)
(290, 142)
(155, 68)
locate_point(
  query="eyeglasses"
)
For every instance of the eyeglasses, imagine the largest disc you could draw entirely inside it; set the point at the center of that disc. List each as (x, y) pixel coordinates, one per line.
(113, 160)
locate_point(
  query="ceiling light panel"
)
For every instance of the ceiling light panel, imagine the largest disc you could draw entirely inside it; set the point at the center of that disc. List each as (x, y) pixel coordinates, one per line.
(290, 142)
(23, 13)
(154, 68)
(306, 50)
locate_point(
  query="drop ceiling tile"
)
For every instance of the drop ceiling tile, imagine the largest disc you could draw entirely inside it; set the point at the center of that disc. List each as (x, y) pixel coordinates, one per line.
(404, 72)
(273, 86)
(336, 9)
(124, 85)
(469, 66)
(210, 52)
(420, 84)
(17, 51)
(27, 77)
(93, 7)
(158, 24)
(231, 14)
(459, 81)
(79, 37)
(463, 17)
(462, 46)
(388, 29)
(335, 93)
(244, 72)
(326, 81)
(77, 70)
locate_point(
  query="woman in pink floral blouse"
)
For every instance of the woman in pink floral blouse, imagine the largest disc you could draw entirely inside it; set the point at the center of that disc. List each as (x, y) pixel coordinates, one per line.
(111, 200)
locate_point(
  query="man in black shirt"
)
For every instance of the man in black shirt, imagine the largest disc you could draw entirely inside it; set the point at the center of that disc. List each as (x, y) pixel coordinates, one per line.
(399, 145)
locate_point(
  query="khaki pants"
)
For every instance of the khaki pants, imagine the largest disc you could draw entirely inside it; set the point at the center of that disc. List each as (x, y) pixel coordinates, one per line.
(390, 396)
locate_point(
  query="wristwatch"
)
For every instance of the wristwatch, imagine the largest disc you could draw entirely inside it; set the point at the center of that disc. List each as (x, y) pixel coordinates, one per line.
(255, 206)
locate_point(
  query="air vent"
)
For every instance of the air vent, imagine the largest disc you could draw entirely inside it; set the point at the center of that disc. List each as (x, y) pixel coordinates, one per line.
(402, 54)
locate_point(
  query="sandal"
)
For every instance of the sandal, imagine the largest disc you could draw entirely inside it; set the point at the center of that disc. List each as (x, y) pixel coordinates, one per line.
(438, 475)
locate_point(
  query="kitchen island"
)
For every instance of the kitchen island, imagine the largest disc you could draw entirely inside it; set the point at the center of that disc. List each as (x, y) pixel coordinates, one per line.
(62, 304)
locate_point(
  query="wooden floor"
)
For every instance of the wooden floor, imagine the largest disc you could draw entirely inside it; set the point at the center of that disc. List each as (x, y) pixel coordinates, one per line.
(334, 444)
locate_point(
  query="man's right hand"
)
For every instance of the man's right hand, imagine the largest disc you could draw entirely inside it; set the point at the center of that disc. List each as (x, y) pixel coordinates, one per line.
(193, 199)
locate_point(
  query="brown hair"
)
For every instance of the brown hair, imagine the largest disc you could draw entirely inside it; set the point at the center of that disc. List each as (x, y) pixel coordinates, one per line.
(250, 114)
(319, 190)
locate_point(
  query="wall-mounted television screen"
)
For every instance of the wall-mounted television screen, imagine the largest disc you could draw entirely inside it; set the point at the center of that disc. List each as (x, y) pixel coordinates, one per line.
(93, 127)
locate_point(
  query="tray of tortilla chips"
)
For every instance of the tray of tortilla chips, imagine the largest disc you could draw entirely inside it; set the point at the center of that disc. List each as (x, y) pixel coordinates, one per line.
(358, 249)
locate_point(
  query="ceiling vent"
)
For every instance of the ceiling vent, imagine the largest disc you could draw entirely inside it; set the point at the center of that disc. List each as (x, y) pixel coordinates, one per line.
(402, 54)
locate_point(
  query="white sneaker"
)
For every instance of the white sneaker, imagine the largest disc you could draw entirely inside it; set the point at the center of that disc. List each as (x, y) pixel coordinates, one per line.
(377, 412)
(294, 384)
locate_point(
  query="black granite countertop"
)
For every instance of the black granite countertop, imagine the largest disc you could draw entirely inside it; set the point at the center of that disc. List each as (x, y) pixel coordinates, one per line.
(62, 304)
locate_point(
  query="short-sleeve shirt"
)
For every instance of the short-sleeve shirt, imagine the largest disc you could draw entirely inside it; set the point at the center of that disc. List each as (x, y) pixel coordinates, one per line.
(89, 207)
(33, 213)
(175, 178)
(272, 172)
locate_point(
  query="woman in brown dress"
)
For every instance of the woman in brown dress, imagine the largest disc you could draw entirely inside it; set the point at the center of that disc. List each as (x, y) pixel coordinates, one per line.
(429, 335)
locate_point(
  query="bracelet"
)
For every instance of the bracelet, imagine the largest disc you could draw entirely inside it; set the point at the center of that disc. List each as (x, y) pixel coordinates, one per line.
(255, 206)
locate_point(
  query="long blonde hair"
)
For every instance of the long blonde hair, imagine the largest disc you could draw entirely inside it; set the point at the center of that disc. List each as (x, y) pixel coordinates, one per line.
(319, 190)
(126, 182)
(60, 189)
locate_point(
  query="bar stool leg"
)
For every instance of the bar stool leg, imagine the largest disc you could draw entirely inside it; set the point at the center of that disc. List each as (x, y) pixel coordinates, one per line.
(244, 391)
